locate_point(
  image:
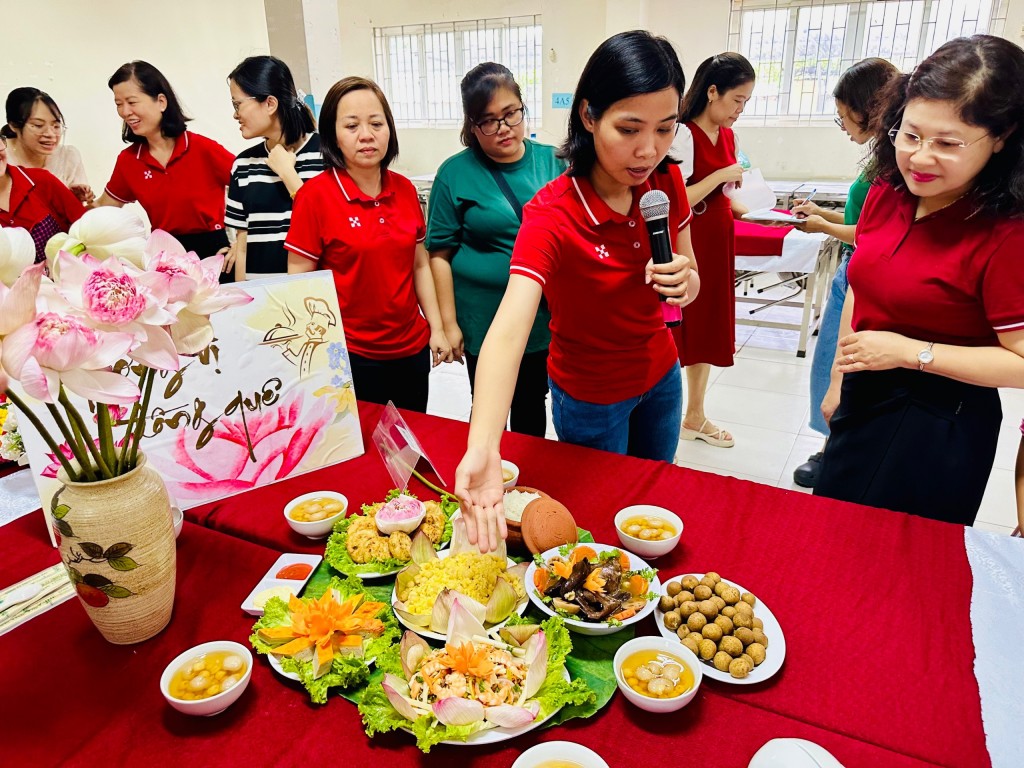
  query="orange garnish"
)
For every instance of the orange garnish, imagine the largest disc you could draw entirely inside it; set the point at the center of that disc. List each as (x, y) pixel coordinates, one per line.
(582, 553)
(467, 659)
(562, 568)
(595, 582)
(624, 561)
(637, 584)
(541, 580)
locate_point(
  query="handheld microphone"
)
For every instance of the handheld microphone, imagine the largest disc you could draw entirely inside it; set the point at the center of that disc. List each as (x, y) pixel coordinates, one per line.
(654, 208)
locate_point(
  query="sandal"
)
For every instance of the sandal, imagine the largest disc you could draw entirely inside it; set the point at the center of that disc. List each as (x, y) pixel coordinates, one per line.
(716, 438)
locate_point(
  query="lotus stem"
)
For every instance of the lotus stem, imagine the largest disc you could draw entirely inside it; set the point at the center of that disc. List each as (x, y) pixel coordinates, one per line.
(106, 436)
(70, 435)
(82, 428)
(50, 442)
(140, 427)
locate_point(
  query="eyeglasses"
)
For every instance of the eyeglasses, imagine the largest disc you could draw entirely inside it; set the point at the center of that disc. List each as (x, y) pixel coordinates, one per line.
(58, 128)
(946, 147)
(838, 120)
(236, 105)
(511, 118)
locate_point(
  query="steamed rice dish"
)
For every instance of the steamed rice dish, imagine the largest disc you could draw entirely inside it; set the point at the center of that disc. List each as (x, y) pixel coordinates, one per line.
(515, 502)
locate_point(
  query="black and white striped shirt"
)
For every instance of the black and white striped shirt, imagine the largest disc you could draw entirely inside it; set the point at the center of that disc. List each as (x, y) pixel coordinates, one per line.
(258, 201)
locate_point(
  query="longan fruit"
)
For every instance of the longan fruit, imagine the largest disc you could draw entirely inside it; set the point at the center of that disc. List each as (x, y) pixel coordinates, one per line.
(741, 620)
(740, 668)
(717, 601)
(729, 611)
(708, 608)
(757, 652)
(731, 595)
(760, 637)
(758, 624)
(725, 623)
(722, 661)
(708, 582)
(713, 576)
(696, 622)
(673, 588)
(749, 599)
(712, 632)
(731, 645)
(745, 635)
(666, 604)
(689, 582)
(702, 592)
(672, 620)
(748, 658)
(682, 632)
(708, 649)
(745, 608)
(684, 596)
(687, 608)
(719, 588)
(691, 642)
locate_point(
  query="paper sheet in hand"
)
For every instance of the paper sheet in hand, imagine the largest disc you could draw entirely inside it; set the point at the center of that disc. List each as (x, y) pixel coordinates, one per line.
(767, 214)
(399, 448)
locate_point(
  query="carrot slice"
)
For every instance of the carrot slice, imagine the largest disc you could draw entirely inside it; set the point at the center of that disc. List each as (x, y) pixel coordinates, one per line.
(582, 553)
(637, 584)
(562, 569)
(624, 561)
(541, 580)
(623, 615)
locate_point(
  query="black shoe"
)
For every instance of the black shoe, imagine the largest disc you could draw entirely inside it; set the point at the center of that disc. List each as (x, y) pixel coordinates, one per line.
(806, 475)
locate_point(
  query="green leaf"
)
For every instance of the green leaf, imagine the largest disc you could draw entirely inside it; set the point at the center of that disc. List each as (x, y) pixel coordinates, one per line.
(75, 575)
(115, 591)
(91, 550)
(60, 511)
(118, 550)
(122, 564)
(63, 528)
(97, 580)
(590, 662)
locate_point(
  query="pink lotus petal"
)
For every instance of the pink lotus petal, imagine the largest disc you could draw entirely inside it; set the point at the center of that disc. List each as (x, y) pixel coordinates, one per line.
(18, 304)
(456, 711)
(101, 386)
(392, 686)
(41, 383)
(157, 351)
(463, 625)
(537, 663)
(163, 242)
(508, 716)
(192, 333)
(17, 349)
(110, 347)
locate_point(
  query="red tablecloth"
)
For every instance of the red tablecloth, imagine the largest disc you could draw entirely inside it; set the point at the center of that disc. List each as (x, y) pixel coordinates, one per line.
(758, 239)
(874, 606)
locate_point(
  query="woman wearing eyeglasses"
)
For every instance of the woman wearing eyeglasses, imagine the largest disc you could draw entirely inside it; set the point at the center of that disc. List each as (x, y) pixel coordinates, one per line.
(933, 320)
(34, 129)
(476, 206)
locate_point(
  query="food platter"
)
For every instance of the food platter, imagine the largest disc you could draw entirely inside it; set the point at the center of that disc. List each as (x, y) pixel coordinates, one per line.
(275, 663)
(775, 653)
(592, 627)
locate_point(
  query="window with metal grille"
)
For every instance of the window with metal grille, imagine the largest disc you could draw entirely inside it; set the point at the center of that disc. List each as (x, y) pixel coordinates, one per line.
(420, 66)
(799, 48)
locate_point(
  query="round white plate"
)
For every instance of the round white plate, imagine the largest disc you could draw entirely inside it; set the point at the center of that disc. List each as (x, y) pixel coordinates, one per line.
(775, 653)
(595, 627)
(277, 666)
(575, 754)
(496, 735)
(428, 633)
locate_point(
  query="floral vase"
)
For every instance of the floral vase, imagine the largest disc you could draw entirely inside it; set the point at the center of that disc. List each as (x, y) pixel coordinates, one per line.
(117, 542)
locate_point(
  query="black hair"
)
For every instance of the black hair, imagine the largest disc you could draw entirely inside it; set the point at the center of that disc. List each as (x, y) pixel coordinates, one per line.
(859, 86)
(264, 76)
(980, 77)
(20, 103)
(153, 83)
(627, 64)
(478, 88)
(329, 148)
(725, 71)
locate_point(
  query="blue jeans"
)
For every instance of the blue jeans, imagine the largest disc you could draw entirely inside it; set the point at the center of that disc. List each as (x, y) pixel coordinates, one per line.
(646, 426)
(825, 351)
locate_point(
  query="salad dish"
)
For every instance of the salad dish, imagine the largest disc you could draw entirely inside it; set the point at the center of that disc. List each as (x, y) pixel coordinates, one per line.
(596, 588)
(325, 640)
(378, 541)
(481, 686)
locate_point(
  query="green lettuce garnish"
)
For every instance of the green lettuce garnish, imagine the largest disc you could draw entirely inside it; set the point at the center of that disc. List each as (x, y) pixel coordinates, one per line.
(345, 671)
(336, 554)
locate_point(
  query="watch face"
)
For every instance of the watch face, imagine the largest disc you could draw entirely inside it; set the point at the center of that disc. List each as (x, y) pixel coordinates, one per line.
(925, 356)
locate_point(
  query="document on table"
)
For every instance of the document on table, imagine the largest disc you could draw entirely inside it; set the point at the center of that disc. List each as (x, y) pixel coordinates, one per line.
(768, 214)
(55, 588)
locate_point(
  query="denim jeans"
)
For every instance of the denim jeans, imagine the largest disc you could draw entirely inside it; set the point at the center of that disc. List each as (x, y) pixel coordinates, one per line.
(646, 426)
(825, 350)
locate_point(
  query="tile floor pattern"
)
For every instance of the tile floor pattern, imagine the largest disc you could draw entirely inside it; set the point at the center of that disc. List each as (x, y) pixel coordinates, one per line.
(764, 401)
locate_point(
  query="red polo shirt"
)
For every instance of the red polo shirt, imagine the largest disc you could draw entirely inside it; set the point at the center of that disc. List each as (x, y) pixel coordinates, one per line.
(369, 243)
(948, 277)
(608, 339)
(184, 197)
(41, 204)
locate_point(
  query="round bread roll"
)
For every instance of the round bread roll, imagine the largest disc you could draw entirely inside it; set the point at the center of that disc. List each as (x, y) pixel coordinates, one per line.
(713, 576)
(745, 609)
(747, 658)
(758, 624)
(708, 582)
(719, 588)
(666, 604)
(719, 602)
(547, 523)
(684, 596)
(672, 620)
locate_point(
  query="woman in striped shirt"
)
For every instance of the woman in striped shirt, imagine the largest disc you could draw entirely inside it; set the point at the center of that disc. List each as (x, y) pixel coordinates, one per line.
(265, 177)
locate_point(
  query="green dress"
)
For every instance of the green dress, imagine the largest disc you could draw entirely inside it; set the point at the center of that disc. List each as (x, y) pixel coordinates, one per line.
(854, 202)
(469, 214)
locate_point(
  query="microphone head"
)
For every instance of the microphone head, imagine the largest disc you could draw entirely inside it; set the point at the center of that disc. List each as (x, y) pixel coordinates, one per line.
(654, 205)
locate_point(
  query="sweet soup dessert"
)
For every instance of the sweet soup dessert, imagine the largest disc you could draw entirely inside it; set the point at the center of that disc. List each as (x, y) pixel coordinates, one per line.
(311, 510)
(648, 528)
(506, 474)
(657, 674)
(207, 675)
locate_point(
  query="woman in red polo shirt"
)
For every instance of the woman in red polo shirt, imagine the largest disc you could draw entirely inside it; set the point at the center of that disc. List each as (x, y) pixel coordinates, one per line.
(933, 320)
(364, 223)
(36, 200)
(178, 177)
(612, 367)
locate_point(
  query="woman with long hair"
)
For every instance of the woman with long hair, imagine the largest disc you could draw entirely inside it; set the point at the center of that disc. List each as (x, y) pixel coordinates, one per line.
(266, 177)
(721, 87)
(476, 206)
(933, 320)
(612, 367)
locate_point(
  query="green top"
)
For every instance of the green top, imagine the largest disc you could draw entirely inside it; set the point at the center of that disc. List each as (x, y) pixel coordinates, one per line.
(854, 203)
(469, 213)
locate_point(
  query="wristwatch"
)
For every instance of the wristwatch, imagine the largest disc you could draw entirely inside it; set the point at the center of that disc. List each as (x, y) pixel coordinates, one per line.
(925, 356)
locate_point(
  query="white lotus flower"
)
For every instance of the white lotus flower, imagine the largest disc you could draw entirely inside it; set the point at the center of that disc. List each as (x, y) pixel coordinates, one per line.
(17, 253)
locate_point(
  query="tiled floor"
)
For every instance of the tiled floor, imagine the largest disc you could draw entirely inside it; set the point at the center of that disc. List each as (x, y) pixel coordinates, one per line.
(763, 400)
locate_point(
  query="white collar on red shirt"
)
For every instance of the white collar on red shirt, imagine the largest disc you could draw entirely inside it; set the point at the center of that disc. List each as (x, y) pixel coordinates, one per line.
(597, 209)
(180, 148)
(351, 190)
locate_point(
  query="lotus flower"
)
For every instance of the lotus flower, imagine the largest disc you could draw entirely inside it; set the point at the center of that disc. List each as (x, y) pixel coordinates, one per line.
(17, 253)
(61, 348)
(103, 232)
(193, 287)
(18, 303)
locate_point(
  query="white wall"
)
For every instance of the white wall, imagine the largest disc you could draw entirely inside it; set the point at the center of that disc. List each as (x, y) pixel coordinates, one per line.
(70, 48)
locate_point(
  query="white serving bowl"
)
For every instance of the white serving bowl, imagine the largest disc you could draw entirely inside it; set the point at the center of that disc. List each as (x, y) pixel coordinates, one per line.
(178, 520)
(215, 704)
(643, 547)
(508, 466)
(559, 750)
(318, 529)
(651, 643)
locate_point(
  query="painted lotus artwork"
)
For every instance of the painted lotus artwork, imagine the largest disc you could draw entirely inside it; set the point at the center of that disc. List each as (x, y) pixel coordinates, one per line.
(224, 389)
